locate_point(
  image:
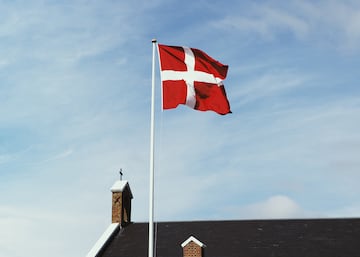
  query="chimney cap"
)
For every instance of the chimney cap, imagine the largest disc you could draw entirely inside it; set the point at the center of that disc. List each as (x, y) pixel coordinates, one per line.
(193, 239)
(120, 185)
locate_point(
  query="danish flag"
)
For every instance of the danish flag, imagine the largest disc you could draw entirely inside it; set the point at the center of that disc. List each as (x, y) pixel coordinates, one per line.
(191, 77)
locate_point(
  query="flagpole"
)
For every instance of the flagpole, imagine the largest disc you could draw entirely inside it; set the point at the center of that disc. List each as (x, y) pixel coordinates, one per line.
(152, 135)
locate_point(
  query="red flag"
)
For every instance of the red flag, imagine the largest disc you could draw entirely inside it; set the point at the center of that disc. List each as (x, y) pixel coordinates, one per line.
(191, 77)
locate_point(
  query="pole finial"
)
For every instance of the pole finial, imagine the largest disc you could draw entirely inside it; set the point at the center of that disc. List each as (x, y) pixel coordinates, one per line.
(121, 174)
(154, 40)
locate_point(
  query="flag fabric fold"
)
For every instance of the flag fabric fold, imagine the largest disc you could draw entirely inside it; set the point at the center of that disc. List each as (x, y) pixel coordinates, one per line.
(191, 77)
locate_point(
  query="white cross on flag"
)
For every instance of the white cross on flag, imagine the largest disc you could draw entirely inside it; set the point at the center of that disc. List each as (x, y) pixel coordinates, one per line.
(191, 77)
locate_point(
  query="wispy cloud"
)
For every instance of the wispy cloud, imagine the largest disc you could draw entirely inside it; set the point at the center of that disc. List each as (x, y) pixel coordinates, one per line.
(304, 20)
(270, 84)
(23, 224)
(5, 158)
(60, 156)
(267, 22)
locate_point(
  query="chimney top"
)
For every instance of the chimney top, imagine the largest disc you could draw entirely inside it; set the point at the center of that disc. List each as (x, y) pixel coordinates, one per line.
(119, 186)
(192, 239)
(192, 247)
(121, 203)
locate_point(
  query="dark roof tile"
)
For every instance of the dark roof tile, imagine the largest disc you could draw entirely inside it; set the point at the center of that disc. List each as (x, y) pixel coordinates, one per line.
(248, 238)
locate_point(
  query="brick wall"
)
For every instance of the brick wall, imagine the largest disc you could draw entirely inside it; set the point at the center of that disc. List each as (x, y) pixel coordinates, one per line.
(192, 250)
(116, 207)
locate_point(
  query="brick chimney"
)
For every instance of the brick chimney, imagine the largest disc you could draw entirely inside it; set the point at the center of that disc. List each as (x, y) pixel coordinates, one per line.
(121, 203)
(192, 247)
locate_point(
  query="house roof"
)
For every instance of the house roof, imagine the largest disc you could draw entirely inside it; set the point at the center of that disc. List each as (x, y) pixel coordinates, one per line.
(101, 242)
(248, 238)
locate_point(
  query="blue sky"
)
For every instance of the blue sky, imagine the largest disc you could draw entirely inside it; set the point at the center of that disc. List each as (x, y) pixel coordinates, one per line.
(75, 85)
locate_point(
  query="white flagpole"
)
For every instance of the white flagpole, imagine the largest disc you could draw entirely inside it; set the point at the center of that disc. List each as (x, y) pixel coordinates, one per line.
(152, 135)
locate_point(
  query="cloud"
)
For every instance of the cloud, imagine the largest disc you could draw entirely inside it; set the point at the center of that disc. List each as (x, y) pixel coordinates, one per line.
(307, 21)
(275, 207)
(39, 232)
(267, 22)
(59, 156)
(272, 83)
(4, 158)
(352, 210)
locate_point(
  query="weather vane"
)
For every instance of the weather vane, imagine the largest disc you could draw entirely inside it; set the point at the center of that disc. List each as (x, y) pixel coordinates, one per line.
(121, 174)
